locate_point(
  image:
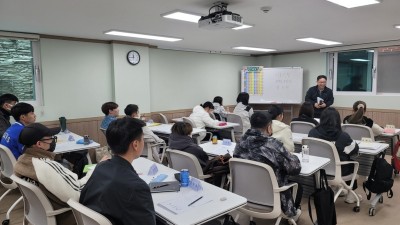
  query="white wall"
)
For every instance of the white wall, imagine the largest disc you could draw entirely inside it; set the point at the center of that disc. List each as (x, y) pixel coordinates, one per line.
(131, 82)
(76, 79)
(182, 80)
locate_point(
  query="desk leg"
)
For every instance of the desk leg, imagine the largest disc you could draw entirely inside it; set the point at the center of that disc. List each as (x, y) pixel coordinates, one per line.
(233, 135)
(88, 157)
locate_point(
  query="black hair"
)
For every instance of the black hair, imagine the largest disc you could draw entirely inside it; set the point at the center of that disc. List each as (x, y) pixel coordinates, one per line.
(121, 132)
(106, 107)
(130, 109)
(275, 111)
(20, 109)
(322, 76)
(182, 128)
(330, 119)
(307, 109)
(8, 98)
(218, 99)
(358, 116)
(207, 104)
(243, 97)
(260, 120)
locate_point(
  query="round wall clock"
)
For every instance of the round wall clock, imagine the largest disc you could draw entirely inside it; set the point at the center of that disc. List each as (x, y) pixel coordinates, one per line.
(133, 57)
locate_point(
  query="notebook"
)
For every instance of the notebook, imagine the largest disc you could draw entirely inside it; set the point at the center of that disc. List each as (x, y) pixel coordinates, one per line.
(156, 187)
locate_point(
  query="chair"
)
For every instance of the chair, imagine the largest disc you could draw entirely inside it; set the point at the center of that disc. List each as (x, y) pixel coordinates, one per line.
(357, 131)
(238, 131)
(218, 117)
(263, 195)
(6, 170)
(191, 122)
(38, 209)
(322, 148)
(301, 127)
(152, 149)
(164, 119)
(87, 216)
(179, 160)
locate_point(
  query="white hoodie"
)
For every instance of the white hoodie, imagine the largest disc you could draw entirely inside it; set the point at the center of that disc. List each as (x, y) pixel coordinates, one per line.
(201, 118)
(282, 132)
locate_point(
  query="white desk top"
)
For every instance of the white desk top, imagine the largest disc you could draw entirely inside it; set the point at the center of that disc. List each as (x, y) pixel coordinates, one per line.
(397, 132)
(218, 149)
(198, 213)
(228, 125)
(166, 129)
(298, 137)
(315, 163)
(380, 147)
(64, 145)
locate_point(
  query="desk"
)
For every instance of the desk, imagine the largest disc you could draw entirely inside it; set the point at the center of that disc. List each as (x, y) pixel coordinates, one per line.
(164, 130)
(218, 149)
(195, 214)
(314, 165)
(177, 119)
(298, 137)
(367, 156)
(64, 145)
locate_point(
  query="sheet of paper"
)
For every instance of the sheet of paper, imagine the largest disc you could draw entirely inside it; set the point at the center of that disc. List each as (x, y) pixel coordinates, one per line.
(181, 204)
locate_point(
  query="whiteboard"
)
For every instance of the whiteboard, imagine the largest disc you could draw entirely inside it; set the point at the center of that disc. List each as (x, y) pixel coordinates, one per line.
(274, 85)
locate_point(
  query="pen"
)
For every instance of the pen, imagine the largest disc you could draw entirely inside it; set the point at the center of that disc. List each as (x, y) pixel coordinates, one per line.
(195, 200)
(163, 185)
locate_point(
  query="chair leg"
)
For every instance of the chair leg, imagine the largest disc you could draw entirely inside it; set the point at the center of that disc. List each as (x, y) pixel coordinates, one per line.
(355, 195)
(5, 193)
(12, 207)
(278, 221)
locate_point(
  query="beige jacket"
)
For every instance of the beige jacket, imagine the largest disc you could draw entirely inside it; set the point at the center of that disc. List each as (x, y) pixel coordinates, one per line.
(282, 132)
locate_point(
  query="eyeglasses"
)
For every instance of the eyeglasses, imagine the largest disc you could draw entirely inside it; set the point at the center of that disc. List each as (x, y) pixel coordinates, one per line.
(52, 138)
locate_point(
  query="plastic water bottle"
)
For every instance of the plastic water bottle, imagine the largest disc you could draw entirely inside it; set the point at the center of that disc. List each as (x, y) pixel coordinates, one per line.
(305, 154)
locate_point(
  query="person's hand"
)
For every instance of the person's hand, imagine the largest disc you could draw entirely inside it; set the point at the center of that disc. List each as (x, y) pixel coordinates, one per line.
(316, 105)
(323, 105)
(105, 157)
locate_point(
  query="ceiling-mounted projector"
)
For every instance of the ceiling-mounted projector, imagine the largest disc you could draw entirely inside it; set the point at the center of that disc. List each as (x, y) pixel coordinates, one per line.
(221, 18)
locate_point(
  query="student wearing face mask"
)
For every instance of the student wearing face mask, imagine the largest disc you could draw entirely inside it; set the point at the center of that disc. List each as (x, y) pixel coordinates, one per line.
(37, 165)
(258, 145)
(7, 101)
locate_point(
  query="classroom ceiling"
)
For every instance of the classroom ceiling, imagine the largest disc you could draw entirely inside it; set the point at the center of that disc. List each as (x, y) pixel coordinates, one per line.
(277, 29)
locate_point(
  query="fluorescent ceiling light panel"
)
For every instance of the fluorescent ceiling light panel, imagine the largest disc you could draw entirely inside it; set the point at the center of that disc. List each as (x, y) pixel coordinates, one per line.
(360, 60)
(180, 15)
(142, 36)
(244, 26)
(319, 41)
(254, 49)
(397, 26)
(354, 3)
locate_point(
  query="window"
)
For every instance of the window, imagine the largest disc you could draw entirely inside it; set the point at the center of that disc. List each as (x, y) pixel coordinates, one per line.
(19, 69)
(366, 71)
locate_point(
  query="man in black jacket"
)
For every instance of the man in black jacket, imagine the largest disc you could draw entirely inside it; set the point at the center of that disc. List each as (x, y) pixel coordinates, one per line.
(115, 190)
(7, 101)
(320, 96)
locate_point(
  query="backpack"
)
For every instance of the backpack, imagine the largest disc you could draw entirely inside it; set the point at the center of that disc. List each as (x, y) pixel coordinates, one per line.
(218, 167)
(395, 157)
(380, 178)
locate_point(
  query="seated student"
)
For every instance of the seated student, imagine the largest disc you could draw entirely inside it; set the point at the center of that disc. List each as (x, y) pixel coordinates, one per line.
(23, 114)
(110, 109)
(243, 109)
(330, 129)
(115, 190)
(7, 101)
(280, 130)
(180, 139)
(306, 114)
(256, 144)
(201, 117)
(132, 111)
(358, 117)
(37, 166)
(219, 108)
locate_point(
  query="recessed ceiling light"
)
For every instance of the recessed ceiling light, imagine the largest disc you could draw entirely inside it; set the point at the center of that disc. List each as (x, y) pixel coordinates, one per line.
(354, 3)
(360, 60)
(143, 36)
(397, 26)
(319, 41)
(244, 26)
(254, 49)
(181, 15)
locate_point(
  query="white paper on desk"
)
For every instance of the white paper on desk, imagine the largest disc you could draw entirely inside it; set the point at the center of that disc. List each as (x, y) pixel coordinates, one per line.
(180, 204)
(368, 145)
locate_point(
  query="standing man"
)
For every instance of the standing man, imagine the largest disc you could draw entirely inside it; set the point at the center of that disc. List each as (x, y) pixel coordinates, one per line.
(24, 115)
(320, 96)
(7, 101)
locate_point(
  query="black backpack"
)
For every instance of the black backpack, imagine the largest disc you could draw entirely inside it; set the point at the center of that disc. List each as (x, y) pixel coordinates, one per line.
(380, 178)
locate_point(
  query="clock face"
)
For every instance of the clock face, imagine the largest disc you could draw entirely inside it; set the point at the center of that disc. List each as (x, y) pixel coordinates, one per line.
(133, 57)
